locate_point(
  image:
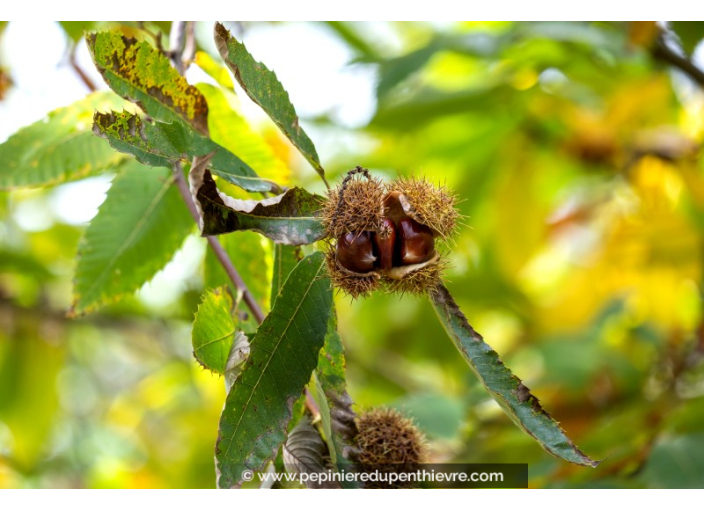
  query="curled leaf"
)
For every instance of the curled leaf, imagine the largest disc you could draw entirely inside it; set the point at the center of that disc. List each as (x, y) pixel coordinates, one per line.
(289, 218)
(239, 352)
(305, 453)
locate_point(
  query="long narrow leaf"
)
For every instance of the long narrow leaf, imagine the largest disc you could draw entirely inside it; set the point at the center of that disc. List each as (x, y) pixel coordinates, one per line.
(284, 353)
(507, 389)
(264, 88)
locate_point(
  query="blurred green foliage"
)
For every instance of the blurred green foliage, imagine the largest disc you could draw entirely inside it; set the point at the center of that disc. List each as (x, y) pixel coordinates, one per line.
(577, 157)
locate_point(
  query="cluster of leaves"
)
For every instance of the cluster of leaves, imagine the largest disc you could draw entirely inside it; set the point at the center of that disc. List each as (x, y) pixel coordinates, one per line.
(268, 366)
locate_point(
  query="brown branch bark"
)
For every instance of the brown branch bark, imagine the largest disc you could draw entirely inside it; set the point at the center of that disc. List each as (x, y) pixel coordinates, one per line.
(79, 71)
(217, 248)
(661, 51)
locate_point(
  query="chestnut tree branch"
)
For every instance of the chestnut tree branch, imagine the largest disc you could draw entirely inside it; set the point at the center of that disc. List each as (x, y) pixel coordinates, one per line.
(79, 71)
(661, 51)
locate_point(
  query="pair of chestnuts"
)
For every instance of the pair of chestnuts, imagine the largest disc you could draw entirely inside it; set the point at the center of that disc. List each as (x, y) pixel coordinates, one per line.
(384, 234)
(404, 244)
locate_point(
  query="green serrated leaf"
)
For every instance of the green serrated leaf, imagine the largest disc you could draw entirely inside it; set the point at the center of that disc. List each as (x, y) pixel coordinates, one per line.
(264, 88)
(283, 355)
(142, 74)
(214, 330)
(160, 144)
(139, 227)
(289, 218)
(59, 148)
(285, 259)
(507, 389)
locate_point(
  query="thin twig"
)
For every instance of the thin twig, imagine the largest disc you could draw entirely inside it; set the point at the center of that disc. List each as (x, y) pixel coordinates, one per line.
(177, 41)
(79, 71)
(661, 51)
(189, 47)
(217, 248)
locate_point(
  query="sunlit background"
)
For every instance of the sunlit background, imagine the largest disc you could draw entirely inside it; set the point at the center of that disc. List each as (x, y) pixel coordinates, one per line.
(576, 153)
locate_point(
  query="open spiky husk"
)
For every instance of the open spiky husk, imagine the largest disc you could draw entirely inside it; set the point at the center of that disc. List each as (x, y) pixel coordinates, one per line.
(353, 284)
(418, 279)
(427, 203)
(389, 442)
(361, 207)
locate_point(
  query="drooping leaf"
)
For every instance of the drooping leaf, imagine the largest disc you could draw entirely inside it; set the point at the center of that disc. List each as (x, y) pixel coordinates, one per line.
(289, 218)
(284, 353)
(161, 144)
(139, 227)
(239, 352)
(285, 259)
(142, 74)
(229, 129)
(304, 452)
(507, 389)
(59, 148)
(214, 330)
(264, 88)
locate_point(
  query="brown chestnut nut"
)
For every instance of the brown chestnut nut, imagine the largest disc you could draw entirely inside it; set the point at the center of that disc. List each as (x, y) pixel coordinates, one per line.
(416, 244)
(384, 242)
(354, 252)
